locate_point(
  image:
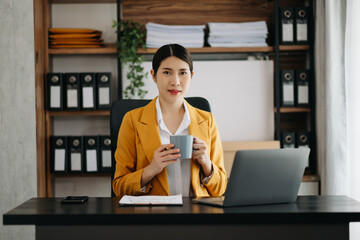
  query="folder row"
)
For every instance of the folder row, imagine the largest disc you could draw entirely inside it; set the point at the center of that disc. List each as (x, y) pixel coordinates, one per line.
(75, 38)
(294, 25)
(80, 154)
(295, 88)
(295, 140)
(75, 91)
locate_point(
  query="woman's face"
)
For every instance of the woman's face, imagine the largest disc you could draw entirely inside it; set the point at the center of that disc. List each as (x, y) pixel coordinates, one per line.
(172, 79)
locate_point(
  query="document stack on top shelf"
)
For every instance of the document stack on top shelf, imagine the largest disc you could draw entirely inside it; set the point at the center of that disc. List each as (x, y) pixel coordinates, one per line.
(190, 36)
(247, 34)
(75, 38)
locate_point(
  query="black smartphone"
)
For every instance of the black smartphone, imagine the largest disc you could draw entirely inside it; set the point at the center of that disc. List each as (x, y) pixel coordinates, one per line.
(75, 199)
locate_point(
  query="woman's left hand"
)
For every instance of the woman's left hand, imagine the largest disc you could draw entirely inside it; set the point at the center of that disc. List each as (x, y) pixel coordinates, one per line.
(201, 156)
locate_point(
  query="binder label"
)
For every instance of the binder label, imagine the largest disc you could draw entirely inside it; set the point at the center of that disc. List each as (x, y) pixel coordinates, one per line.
(104, 95)
(301, 32)
(72, 98)
(91, 161)
(106, 158)
(288, 95)
(75, 161)
(59, 160)
(303, 95)
(88, 97)
(55, 96)
(287, 32)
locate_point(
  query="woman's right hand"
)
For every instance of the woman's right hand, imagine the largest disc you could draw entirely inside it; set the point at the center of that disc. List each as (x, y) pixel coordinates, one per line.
(163, 156)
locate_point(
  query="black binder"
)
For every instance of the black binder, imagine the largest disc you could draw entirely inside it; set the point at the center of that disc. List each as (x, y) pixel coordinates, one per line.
(287, 25)
(88, 90)
(72, 91)
(76, 155)
(287, 88)
(303, 141)
(288, 140)
(302, 88)
(55, 91)
(58, 154)
(91, 153)
(103, 81)
(301, 25)
(105, 154)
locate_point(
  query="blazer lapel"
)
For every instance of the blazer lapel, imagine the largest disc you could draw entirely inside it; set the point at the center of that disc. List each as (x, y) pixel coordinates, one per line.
(149, 136)
(198, 126)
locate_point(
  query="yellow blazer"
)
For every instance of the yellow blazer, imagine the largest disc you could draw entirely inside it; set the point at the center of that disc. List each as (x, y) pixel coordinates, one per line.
(138, 139)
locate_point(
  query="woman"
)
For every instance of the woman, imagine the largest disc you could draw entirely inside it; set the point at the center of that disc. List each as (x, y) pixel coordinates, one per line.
(146, 162)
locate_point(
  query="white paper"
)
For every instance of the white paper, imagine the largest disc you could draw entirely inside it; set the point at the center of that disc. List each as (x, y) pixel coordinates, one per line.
(303, 94)
(75, 161)
(59, 164)
(151, 200)
(91, 161)
(104, 95)
(301, 32)
(88, 97)
(288, 93)
(246, 34)
(72, 98)
(106, 158)
(55, 96)
(186, 35)
(287, 32)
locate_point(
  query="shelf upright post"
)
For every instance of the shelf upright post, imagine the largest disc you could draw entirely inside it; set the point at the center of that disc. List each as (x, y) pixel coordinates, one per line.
(312, 86)
(119, 88)
(277, 70)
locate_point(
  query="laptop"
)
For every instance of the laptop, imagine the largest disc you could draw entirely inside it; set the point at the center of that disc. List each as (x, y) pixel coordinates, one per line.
(262, 177)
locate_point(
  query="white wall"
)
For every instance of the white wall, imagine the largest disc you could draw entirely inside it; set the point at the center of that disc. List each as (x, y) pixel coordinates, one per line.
(244, 87)
(17, 113)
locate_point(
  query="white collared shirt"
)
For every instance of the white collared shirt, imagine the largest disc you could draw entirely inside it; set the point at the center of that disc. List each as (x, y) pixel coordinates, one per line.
(179, 173)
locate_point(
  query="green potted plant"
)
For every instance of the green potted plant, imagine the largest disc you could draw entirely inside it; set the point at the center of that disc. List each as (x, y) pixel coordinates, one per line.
(132, 37)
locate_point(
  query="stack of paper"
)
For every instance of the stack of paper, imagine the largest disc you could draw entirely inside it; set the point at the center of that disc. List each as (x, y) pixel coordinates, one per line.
(75, 38)
(151, 200)
(247, 34)
(191, 36)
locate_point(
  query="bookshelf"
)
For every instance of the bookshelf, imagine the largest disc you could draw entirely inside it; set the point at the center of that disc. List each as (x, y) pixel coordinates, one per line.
(164, 12)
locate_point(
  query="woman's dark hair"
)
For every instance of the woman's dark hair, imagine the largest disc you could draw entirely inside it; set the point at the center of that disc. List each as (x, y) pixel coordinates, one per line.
(169, 50)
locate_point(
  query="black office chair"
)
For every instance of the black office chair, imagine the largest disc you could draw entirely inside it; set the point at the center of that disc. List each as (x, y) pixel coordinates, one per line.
(122, 106)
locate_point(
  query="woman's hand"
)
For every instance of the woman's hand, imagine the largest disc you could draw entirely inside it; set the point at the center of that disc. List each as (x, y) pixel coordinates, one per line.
(163, 156)
(201, 156)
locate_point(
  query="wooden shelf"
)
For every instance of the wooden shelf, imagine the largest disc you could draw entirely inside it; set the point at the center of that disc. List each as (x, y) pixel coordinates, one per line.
(310, 178)
(83, 1)
(294, 47)
(111, 49)
(95, 174)
(235, 49)
(293, 109)
(108, 49)
(80, 113)
(216, 50)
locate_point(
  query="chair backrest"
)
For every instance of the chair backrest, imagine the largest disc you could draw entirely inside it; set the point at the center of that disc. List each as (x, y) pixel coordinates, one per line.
(120, 107)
